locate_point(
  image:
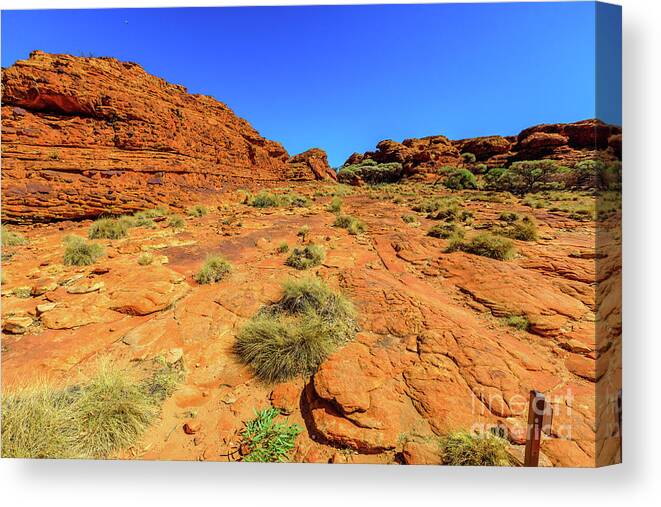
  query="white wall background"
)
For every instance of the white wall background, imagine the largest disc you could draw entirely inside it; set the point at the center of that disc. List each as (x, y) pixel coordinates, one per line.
(636, 482)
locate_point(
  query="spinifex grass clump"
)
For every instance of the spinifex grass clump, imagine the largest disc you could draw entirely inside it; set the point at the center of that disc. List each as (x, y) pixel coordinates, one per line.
(268, 200)
(467, 449)
(267, 441)
(335, 205)
(176, 222)
(446, 230)
(93, 419)
(293, 336)
(351, 224)
(306, 257)
(79, 252)
(486, 245)
(517, 227)
(198, 210)
(10, 238)
(108, 228)
(214, 270)
(145, 259)
(519, 322)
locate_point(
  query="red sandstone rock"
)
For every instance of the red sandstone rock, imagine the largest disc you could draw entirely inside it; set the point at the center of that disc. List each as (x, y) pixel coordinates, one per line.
(86, 136)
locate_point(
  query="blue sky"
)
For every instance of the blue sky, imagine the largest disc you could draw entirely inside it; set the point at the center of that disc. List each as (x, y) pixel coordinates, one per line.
(344, 77)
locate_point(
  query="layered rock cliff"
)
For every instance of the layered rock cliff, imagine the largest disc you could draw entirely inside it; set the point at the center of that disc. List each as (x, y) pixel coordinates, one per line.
(567, 143)
(87, 136)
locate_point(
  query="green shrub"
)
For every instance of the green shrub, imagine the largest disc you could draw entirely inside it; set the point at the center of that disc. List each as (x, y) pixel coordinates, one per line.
(468, 158)
(306, 257)
(297, 201)
(93, 419)
(214, 270)
(293, 336)
(466, 449)
(446, 230)
(518, 322)
(371, 172)
(267, 200)
(351, 224)
(409, 219)
(145, 259)
(460, 179)
(335, 205)
(79, 252)
(303, 232)
(108, 228)
(176, 222)
(283, 247)
(486, 245)
(267, 441)
(142, 219)
(10, 238)
(509, 216)
(521, 227)
(198, 211)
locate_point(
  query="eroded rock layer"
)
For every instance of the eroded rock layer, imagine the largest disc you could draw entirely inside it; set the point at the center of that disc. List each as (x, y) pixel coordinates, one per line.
(86, 136)
(568, 143)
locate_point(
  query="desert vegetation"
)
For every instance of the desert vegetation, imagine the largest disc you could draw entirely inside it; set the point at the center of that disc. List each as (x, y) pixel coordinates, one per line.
(265, 440)
(215, 268)
(468, 449)
(306, 257)
(292, 336)
(92, 419)
(78, 252)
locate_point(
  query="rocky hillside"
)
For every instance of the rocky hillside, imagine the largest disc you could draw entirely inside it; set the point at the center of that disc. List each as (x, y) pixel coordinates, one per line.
(568, 143)
(85, 136)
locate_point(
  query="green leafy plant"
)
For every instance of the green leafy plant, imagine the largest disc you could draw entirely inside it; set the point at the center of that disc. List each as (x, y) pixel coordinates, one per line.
(214, 270)
(370, 172)
(518, 322)
(266, 441)
(518, 227)
(460, 179)
(108, 228)
(283, 247)
(306, 257)
(79, 252)
(294, 335)
(466, 449)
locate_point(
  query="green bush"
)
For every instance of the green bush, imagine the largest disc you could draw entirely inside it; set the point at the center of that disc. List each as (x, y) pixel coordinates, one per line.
(306, 257)
(145, 259)
(466, 449)
(303, 232)
(93, 419)
(371, 172)
(486, 245)
(468, 158)
(409, 219)
(297, 201)
(10, 238)
(460, 179)
(214, 270)
(176, 222)
(108, 228)
(518, 322)
(79, 252)
(520, 227)
(351, 224)
(446, 230)
(268, 200)
(293, 336)
(335, 205)
(267, 441)
(283, 247)
(198, 211)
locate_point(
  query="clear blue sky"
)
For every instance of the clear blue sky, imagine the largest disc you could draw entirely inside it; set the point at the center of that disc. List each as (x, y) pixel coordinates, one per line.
(344, 77)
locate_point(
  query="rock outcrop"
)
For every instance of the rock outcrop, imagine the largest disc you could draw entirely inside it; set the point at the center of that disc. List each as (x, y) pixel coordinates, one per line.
(567, 143)
(87, 136)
